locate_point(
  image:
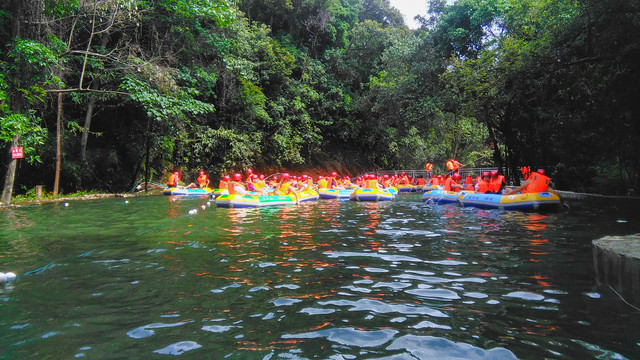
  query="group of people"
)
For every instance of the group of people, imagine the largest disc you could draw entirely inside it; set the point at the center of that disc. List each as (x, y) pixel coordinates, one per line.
(202, 181)
(488, 182)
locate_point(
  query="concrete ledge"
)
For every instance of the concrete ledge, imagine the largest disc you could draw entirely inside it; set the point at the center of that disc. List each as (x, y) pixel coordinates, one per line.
(616, 260)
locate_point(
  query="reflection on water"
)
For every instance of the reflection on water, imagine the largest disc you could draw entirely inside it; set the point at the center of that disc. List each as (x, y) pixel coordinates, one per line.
(331, 279)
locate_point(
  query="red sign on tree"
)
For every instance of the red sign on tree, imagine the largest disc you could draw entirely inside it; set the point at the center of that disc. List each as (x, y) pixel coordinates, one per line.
(17, 152)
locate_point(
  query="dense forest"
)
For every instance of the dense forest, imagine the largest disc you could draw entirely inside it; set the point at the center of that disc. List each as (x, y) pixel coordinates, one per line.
(110, 91)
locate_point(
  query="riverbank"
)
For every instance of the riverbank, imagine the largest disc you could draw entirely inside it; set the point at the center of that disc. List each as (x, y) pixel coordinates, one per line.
(17, 202)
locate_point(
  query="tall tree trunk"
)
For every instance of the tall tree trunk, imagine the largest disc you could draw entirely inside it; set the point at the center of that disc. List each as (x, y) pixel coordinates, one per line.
(90, 107)
(56, 182)
(16, 107)
(87, 126)
(10, 177)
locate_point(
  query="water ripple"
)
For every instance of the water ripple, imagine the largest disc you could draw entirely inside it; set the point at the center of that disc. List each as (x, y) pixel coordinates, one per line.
(382, 307)
(178, 348)
(349, 336)
(430, 347)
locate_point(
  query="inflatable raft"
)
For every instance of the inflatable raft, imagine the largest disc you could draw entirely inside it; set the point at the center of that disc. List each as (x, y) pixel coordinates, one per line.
(406, 188)
(361, 194)
(186, 191)
(325, 193)
(439, 196)
(218, 192)
(253, 201)
(532, 201)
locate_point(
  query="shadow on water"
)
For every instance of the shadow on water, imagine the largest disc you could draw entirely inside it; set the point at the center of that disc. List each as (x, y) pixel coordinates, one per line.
(330, 279)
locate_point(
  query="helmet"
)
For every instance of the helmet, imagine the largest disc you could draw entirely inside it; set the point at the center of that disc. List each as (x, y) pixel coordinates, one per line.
(304, 177)
(249, 171)
(254, 176)
(284, 176)
(494, 173)
(175, 173)
(402, 173)
(226, 177)
(372, 176)
(261, 176)
(541, 172)
(334, 174)
(486, 173)
(320, 177)
(385, 176)
(237, 176)
(201, 172)
(456, 176)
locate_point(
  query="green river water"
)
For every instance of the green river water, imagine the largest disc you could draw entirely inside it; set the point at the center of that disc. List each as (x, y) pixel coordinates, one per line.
(162, 277)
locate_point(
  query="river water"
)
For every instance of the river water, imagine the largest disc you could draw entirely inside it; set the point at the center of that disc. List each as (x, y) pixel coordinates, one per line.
(156, 277)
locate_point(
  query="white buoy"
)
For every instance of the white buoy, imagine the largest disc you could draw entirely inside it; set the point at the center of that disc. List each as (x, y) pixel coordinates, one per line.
(208, 203)
(203, 207)
(3, 277)
(66, 204)
(193, 211)
(126, 201)
(10, 276)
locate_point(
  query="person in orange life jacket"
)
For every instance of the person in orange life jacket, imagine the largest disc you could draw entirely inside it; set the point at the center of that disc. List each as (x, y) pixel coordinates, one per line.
(482, 186)
(249, 175)
(420, 181)
(173, 179)
(224, 182)
(453, 166)
(261, 183)
(371, 182)
(526, 172)
(346, 181)
(203, 180)
(468, 183)
(254, 186)
(538, 182)
(333, 183)
(386, 181)
(235, 186)
(322, 182)
(497, 182)
(284, 185)
(435, 180)
(451, 183)
(427, 169)
(404, 179)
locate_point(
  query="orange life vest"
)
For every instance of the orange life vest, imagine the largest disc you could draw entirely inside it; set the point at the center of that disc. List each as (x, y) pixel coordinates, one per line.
(468, 180)
(435, 181)
(539, 183)
(450, 165)
(448, 183)
(482, 186)
(173, 180)
(371, 184)
(223, 184)
(428, 167)
(496, 184)
(202, 180)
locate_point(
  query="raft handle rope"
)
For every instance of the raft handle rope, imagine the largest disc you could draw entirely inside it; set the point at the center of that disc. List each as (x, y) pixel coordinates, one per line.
(623, 300)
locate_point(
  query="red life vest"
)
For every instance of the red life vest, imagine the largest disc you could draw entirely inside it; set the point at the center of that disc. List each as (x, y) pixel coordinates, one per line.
(435, 181)
(428, 167)
(539, 183)
(468, 180)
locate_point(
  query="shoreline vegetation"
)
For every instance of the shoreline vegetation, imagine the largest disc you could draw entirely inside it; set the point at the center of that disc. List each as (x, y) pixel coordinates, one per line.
(96, 97)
